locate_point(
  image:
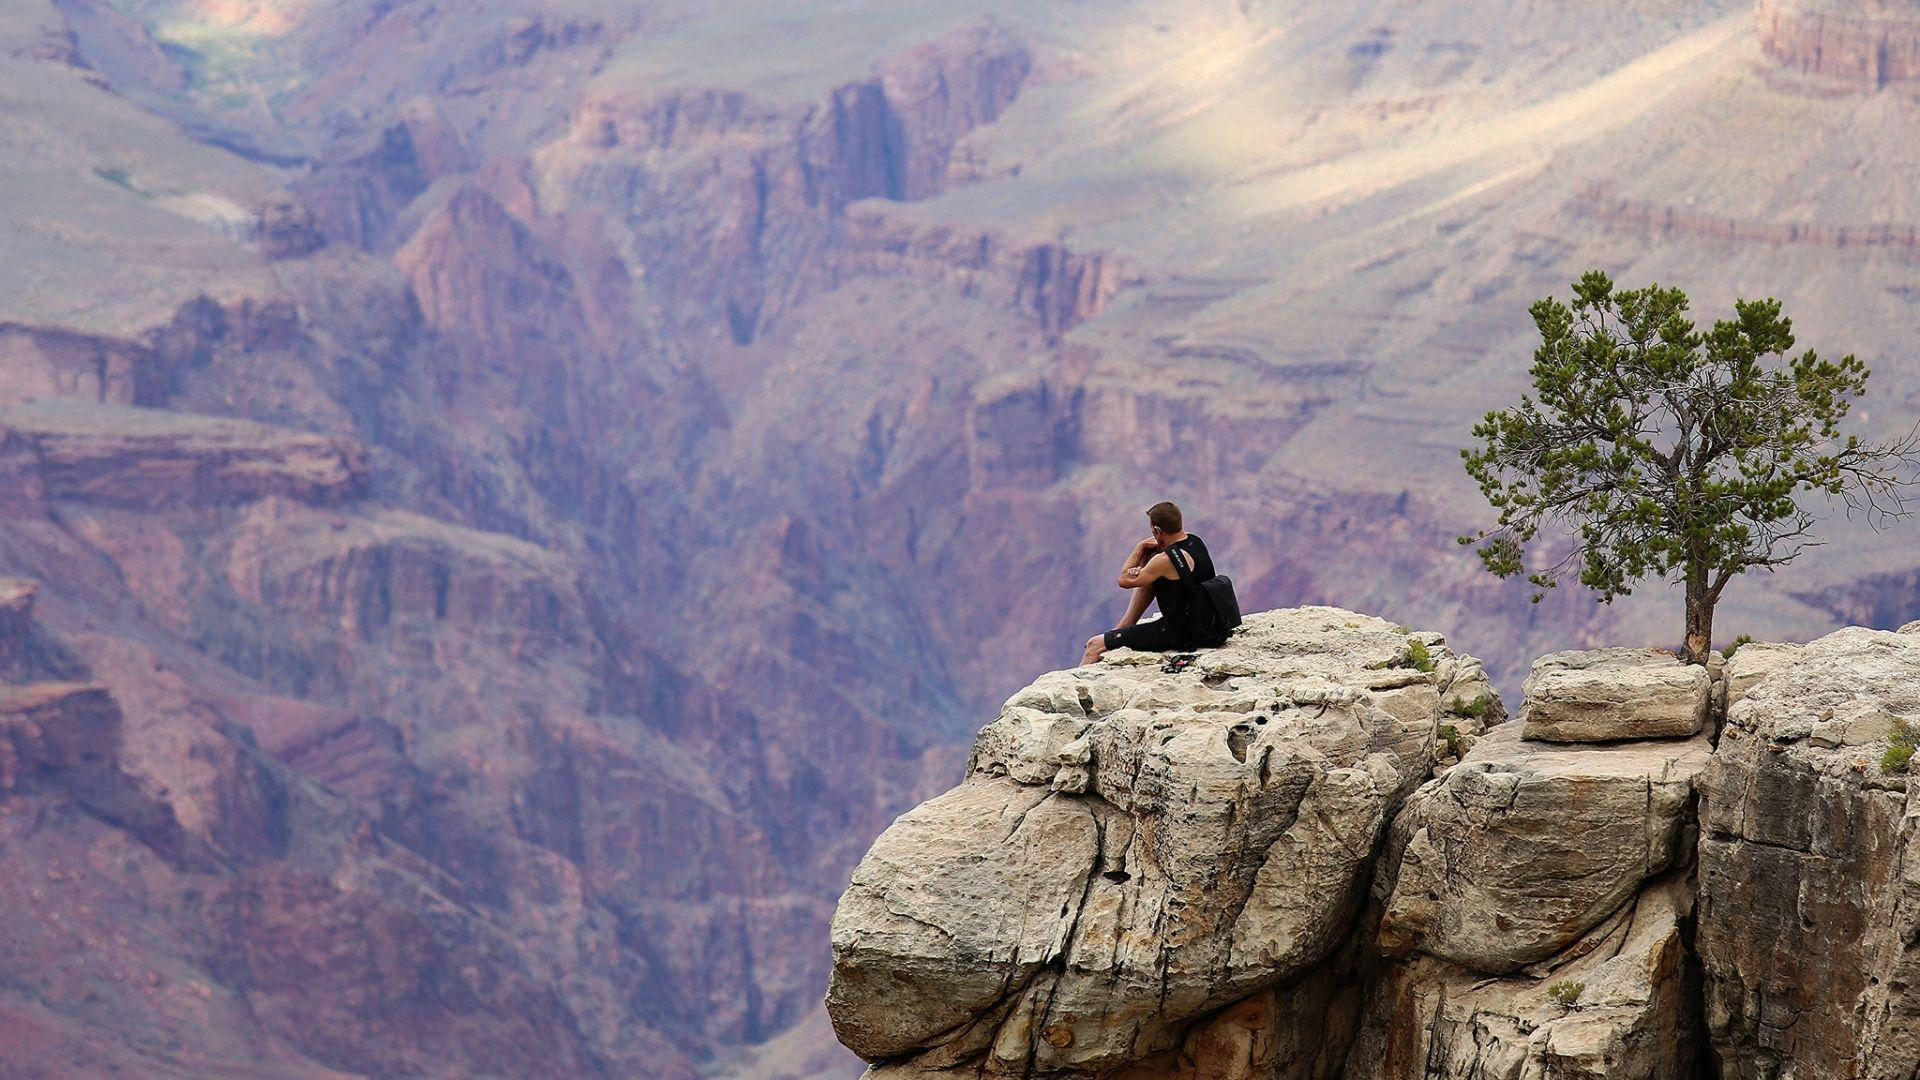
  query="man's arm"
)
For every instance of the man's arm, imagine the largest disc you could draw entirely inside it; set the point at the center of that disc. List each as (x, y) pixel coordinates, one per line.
(1155, 568)
(1137, 558)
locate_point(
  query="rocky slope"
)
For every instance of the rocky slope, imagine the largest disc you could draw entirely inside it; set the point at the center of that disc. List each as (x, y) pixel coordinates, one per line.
(603, 454)
(1234, 871)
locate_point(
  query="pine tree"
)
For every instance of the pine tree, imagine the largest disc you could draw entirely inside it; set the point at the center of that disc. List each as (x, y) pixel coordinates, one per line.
(1667, 451)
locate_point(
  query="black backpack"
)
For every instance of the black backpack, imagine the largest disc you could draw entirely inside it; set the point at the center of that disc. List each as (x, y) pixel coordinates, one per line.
(1215, 610)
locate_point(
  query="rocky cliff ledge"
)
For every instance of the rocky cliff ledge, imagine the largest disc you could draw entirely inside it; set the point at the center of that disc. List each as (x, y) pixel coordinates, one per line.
(1307, 855)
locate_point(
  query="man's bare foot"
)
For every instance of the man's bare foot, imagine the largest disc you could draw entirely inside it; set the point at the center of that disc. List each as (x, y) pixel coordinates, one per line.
(1096, 645)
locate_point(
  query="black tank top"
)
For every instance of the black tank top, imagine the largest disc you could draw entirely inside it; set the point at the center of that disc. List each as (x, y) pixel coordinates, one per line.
(1176, 595)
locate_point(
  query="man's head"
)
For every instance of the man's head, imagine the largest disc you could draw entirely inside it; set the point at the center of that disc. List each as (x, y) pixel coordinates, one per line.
(1165, 519)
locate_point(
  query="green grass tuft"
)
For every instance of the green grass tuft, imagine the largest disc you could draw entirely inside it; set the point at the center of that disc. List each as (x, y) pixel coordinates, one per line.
(1566, 992)
(1417, 656)
(1901, 743)
(1477, 709)
(1734, 646)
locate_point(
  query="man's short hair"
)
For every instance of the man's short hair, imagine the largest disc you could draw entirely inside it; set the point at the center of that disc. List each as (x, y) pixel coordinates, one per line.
(1164, 516)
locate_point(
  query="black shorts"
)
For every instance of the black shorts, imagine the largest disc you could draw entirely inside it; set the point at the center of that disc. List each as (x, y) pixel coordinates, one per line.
(1155, 636)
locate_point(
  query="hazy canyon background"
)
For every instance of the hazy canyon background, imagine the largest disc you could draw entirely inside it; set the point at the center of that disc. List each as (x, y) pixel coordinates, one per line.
(516, 496)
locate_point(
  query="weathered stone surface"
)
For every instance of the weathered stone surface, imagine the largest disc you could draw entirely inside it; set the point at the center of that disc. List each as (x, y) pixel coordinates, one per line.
(42, 362)
(151, 458)
(1630, 1017)
(1602, 695)
(62, 728)
(1516, 852)
(16, 624)
(1300, 1031)
(1133, 849)
(1809, 921)
(1861, 44)
(1753, 662)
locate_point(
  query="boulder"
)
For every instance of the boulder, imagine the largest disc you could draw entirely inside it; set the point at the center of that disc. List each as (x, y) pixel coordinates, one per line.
(1615, 1004)
(1753, 662)
(1518, 851)
(1603, 695)
(1809, 918)
(1135, 848)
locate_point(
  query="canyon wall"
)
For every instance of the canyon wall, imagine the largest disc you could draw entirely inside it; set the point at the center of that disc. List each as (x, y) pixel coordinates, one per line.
(1852, 45)
(548, 486)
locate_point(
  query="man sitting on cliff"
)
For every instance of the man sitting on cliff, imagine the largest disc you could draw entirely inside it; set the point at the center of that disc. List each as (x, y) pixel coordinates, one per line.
(1152, 574)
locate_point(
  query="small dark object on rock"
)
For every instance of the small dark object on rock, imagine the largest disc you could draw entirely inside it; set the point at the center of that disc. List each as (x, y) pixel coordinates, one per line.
(1179, 663)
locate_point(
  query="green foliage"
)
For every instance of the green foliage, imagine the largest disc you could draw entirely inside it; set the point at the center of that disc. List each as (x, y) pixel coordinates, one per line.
(1743, 639)
(1451, 736)
(1417, 656)
(1566, 992)
(1663, 449)
(1901, 743)
(1477, 709)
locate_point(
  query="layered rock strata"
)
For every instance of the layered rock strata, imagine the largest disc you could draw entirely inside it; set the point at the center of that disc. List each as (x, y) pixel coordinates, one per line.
(1618, 1003)
(1523, 847)
(152, 458)
(1153, 872)
(1809, 922)
(1859, 43)
(1610, 694)
(1135, 847)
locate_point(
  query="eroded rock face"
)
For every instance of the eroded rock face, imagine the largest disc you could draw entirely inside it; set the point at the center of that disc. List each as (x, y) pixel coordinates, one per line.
(1752, 663)
(1810, 904)
(1522, 848)
(1861, 44)
(1602, 695)
(1616, 1003)
(1134, 848)
(152, 458)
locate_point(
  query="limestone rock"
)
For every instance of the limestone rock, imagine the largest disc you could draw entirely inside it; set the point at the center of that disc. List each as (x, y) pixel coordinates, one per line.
(1602, 695)
(1135, 848)
(1616, 1004)
(1296, 1032)
(1753, 662)
(1471, 703)
(1523, 847)
(1809, 920)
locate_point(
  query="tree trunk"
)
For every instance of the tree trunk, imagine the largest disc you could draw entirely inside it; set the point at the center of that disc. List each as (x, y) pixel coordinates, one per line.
(1699, 617)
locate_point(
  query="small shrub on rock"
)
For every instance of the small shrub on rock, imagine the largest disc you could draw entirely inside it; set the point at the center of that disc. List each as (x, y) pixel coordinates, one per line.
(1477, 709)
(1417, 656)
(1566, 992)
(1743, 639)
(1901, 743)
